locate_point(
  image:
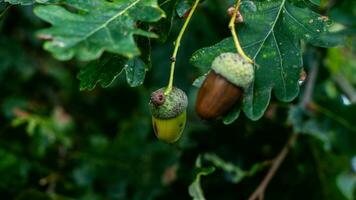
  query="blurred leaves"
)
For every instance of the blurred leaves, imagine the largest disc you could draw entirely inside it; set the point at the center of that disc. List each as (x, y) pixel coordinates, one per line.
(12, 58)
(15, 168)
(347, 184)
(234, 173)
(195, 190)
(342, 66)
(130, 159)
(45, 131)
(341, 61)
(329, 166)
(328, 120)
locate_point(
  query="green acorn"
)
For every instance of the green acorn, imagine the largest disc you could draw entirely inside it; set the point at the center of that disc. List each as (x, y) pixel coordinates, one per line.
(224, 85)
(168, 113)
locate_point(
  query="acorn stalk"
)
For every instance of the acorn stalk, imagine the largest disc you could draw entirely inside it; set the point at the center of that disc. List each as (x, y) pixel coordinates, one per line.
(230, 75)
(168, 113)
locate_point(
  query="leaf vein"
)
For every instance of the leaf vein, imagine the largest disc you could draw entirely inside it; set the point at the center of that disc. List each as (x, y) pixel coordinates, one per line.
(280, 62)
(111, 19)
(272, 28)
(110, 36)
(300, 24)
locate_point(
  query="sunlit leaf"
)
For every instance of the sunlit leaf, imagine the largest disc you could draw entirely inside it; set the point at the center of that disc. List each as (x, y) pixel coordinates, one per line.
(97, 26)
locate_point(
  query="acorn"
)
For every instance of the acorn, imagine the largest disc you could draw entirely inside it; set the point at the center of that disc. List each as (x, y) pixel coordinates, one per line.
(168, 113)
(230, 75)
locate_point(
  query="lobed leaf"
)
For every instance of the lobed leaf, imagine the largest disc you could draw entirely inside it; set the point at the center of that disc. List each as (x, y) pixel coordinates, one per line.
(135, 72)
(106, 69)
(271, 36)
(102, 71)
(21, 2)
(29, 2)
(95, 27)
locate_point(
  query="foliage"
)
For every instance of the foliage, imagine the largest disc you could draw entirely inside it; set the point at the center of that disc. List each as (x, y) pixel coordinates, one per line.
(195, 189)
(76, 78)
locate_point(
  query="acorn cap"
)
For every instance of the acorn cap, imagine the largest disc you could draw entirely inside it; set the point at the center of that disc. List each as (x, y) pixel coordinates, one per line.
(168, 106)
(234, 68)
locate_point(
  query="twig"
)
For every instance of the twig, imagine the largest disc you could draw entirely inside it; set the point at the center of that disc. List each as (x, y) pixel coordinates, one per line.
(330, 5)
(311, 80)
(260, 190)
(177, 44)
(346, 87)
(4, 11)
(163, 3)
(234, 34)
(334, 116)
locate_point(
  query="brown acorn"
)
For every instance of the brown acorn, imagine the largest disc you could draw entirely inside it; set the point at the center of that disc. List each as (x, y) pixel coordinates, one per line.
(224, 85)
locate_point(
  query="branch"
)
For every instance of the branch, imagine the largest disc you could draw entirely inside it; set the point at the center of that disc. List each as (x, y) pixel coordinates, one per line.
(177, 45)
(5, 11)
(346, 87)
(309, 89)
(260, 190)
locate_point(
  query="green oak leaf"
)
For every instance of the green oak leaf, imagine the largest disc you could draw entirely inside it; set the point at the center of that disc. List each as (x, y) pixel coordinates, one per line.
(106, 69)
(232, 115)
(135, 72)
(96, 26)
(103, 71)
(316, 2)
(183, 6)
(21, 2)
(164, 26)
(271, 36)
(29, 2)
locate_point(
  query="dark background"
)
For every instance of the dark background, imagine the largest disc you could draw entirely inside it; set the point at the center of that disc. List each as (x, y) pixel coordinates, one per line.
(57, 142)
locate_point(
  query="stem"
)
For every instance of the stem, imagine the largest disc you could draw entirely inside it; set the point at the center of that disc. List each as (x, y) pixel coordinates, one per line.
(259, 192)
(234, 34)
(346, 87)
(322, 110)
(4, 11)
(177, 44)
(309, 88)
(163, 3)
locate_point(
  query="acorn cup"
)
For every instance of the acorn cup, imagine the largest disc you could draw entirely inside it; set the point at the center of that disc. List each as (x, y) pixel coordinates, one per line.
(224, 85)
(168, 113)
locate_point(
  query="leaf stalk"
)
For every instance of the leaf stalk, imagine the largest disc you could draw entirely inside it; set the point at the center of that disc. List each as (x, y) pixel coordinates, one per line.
(234, 34)
(177, 45)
